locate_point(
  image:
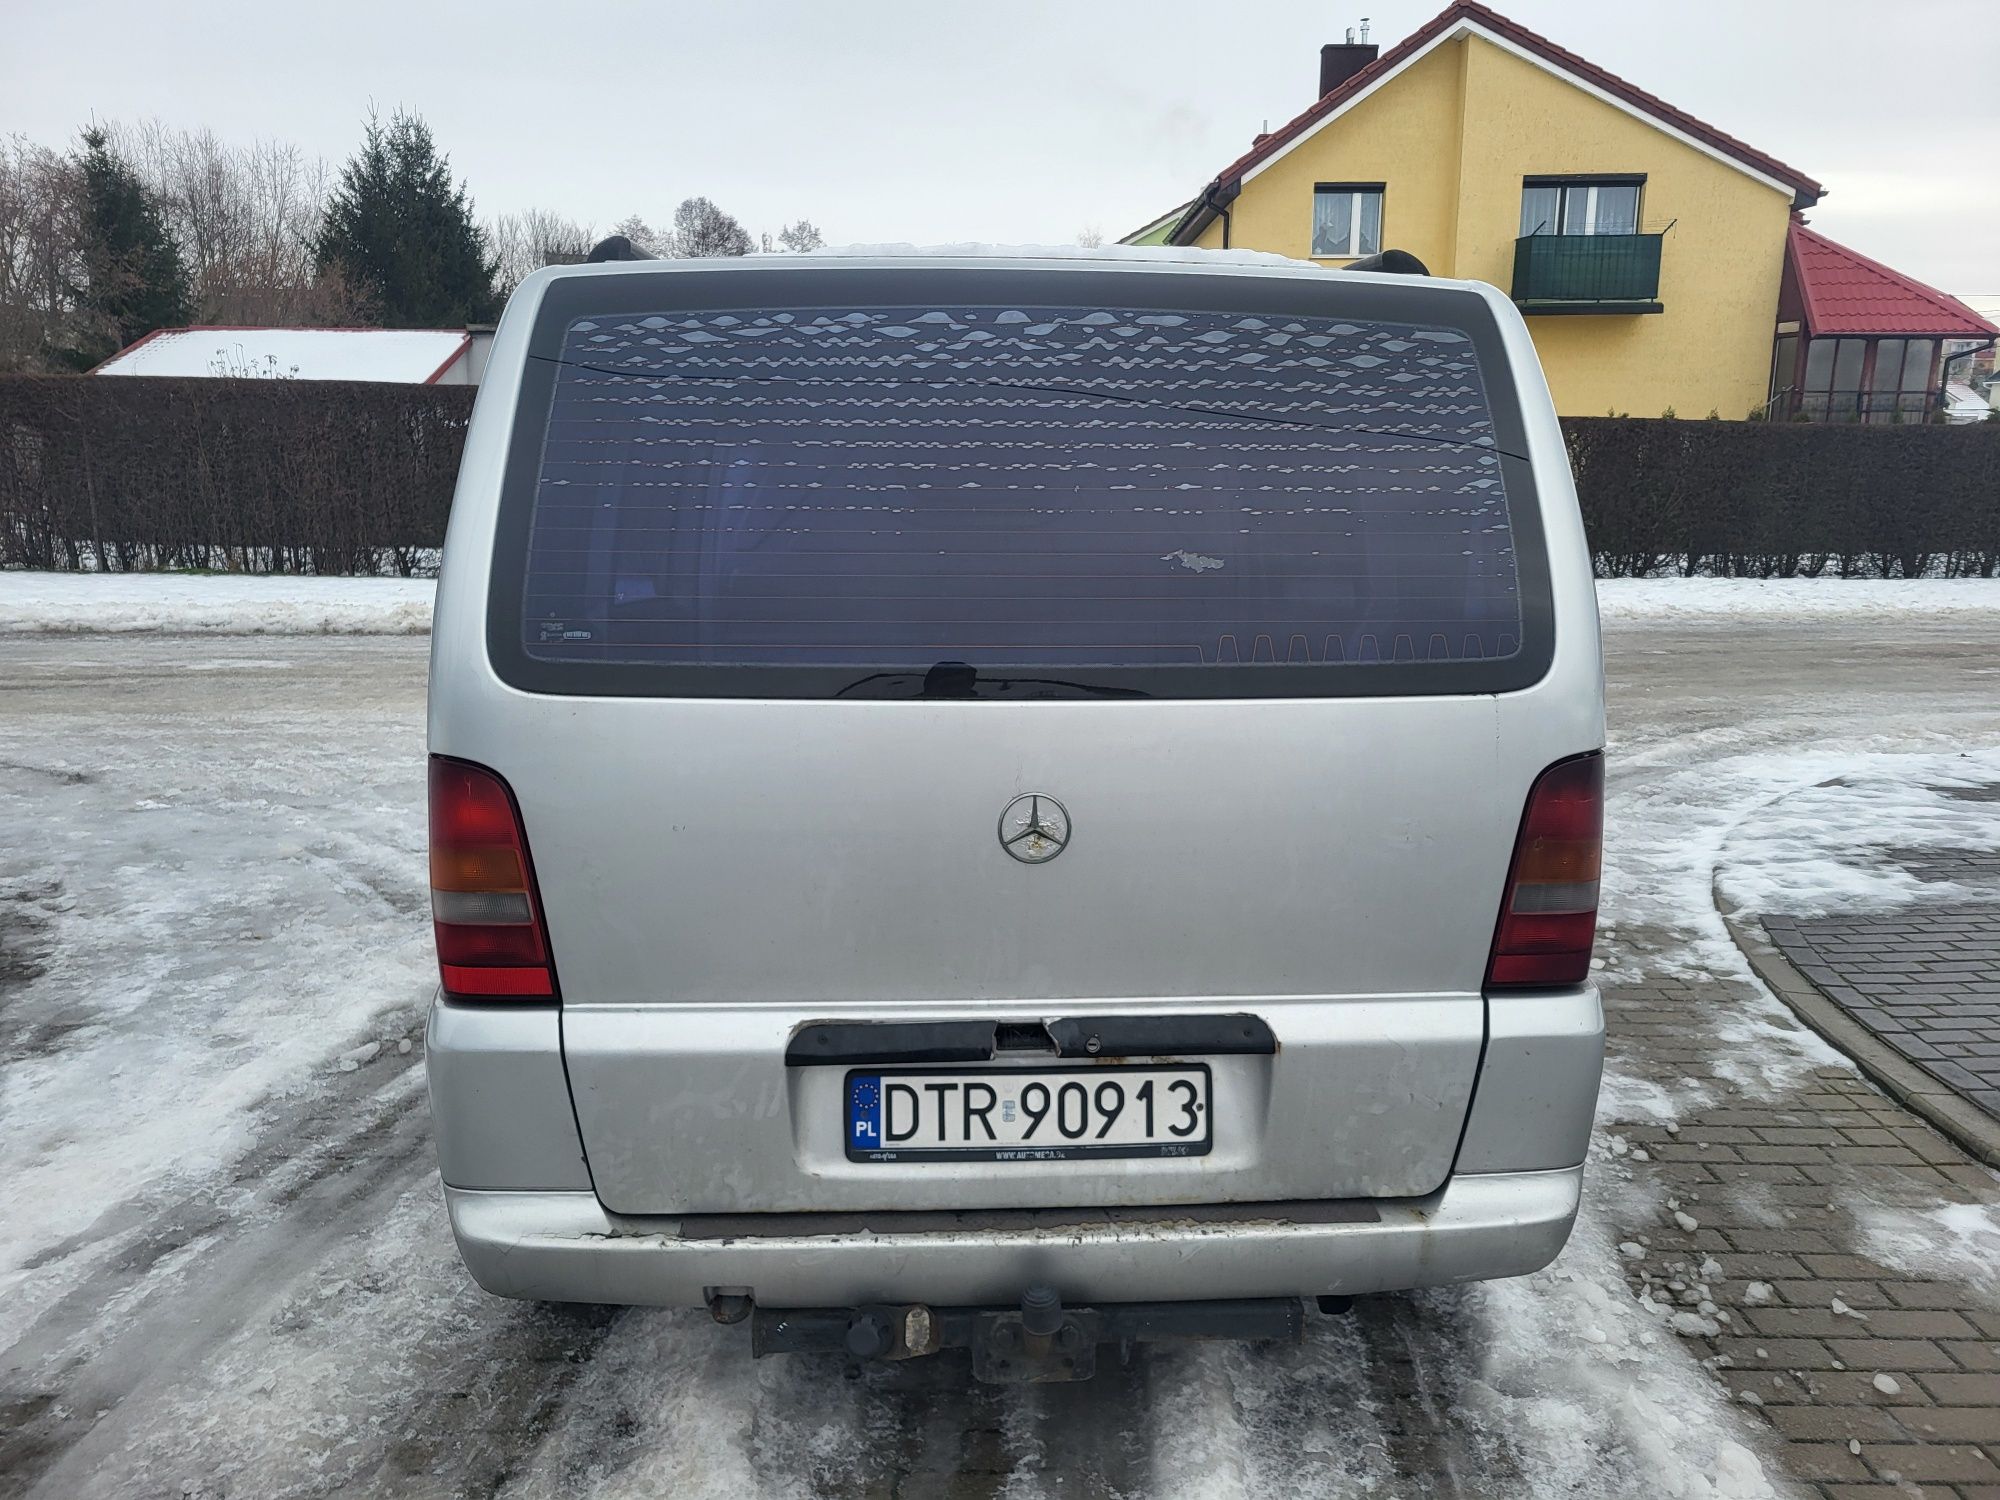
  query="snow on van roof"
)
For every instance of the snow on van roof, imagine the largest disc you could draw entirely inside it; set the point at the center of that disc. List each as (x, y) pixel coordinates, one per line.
(1155, 254)
(412, 356)
(1130, 255)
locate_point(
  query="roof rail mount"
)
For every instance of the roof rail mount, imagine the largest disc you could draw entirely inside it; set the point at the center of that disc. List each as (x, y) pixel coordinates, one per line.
(615, 247)
(1395, 262)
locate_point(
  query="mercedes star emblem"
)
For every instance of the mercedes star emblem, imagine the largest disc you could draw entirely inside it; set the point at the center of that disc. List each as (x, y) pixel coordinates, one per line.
(1034, 828)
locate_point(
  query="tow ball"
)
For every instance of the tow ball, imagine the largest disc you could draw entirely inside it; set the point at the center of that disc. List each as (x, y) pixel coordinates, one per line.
(1039, 1340)
(1036, 1343)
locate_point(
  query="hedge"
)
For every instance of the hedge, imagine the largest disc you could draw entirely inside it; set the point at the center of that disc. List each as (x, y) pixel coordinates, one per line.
(1770, 500)
(287, 476)
(344, 477)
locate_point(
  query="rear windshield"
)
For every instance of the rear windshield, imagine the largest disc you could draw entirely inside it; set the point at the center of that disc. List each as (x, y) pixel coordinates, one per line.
(1003, 498)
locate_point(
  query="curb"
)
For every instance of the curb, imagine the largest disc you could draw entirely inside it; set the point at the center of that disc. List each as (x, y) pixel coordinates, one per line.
(1955, 1117)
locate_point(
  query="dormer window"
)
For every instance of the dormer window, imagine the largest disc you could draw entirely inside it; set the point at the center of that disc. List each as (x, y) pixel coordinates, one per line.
(1347, 219)
(1580, 205)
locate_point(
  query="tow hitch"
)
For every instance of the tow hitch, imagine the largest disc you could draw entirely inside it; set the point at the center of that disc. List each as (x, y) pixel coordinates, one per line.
(1041, 1340)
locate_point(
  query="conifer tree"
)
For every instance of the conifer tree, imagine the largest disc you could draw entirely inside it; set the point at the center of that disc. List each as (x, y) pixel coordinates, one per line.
(401, 231)
(132, 279)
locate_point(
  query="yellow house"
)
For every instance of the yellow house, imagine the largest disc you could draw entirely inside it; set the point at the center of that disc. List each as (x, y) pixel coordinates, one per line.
(1645, 247)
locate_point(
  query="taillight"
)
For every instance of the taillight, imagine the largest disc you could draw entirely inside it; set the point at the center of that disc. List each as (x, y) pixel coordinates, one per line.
(1549, 916)
(489, 925)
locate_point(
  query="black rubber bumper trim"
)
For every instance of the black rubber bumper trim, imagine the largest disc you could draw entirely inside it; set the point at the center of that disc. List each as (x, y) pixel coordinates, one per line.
(847, 1043)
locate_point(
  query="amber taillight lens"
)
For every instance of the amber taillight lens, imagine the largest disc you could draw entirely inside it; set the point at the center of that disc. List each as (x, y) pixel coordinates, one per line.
(1548, 919)
(490, 940)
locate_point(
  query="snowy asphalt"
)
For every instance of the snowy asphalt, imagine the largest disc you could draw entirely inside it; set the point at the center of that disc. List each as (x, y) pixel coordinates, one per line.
(225, 1271)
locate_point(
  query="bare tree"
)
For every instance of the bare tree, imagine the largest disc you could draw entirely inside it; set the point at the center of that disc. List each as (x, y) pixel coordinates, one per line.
(525, 242)
(245, 219)
(1090, 237)
(197, 183)
(702, 229)
(644, 237)
(40, 224)
(801, 237)
(507, 242)
(287, 193)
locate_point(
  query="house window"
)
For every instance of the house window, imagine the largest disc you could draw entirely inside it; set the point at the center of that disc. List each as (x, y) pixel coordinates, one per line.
(1347, 219)
(1900, 387)
(1842, 385)
(1888, 367)
(1918, 367)
(1580, 205)
(1784, 366)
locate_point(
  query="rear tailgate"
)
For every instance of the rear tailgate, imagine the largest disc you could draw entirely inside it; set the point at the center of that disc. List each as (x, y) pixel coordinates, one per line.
(1251, 858)
(798, 583)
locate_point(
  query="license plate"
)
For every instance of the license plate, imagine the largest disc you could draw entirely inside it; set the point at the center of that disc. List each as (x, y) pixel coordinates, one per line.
(1027, 1114)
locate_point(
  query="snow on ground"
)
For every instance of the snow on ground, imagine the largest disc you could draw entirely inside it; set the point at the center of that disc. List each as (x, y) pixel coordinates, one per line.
(1822, 849)
(1794, 599)
(237, 604)
(222, 902)
(222, 604)
(1560, 1383)
(1800, 831)
(1955, 1241)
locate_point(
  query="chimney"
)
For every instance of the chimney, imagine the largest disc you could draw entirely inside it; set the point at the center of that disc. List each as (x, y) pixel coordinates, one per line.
(1340, 61)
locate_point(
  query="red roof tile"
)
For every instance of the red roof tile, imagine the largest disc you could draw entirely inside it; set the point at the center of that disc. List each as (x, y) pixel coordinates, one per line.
(1805, 190)
(1848, 293)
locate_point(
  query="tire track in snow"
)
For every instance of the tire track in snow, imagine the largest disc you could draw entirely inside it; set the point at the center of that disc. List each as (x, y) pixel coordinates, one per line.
(1304, 1420)
(1198, 1437)
(333, 1343)
(1366, 1404)
(94, 1382)
(672, 1404)
(1421, 1345)
(190, 1268)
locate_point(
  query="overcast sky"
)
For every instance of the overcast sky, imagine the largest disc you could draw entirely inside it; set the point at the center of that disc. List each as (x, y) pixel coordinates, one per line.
(1022, 120)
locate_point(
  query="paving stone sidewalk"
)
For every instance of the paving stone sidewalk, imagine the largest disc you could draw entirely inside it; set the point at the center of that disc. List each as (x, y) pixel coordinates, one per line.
(1841, 1313)
(1924, 981)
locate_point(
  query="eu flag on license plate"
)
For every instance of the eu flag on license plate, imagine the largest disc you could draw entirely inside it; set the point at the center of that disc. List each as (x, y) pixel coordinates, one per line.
(864, 1113)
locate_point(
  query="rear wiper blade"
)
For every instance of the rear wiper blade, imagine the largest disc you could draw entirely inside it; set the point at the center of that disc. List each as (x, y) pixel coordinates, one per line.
(957, 679)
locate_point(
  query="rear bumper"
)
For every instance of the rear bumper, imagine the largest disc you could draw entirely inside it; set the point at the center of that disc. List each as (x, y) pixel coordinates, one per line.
(710, 1116)
(564, 1247)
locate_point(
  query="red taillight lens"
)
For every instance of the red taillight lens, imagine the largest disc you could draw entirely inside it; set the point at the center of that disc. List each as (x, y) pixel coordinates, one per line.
(489, 924)
(1549, 916)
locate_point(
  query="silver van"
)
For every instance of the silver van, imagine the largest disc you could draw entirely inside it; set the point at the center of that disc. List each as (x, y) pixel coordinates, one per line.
(1012, 803)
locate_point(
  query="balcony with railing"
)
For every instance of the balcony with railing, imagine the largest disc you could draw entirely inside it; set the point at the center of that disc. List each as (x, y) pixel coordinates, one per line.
(1587, 273)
